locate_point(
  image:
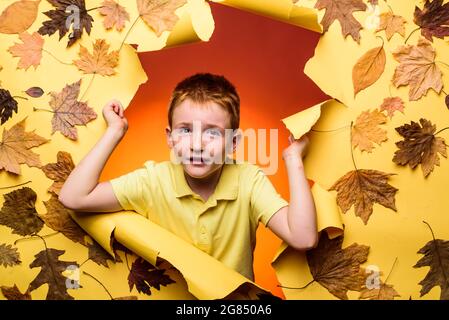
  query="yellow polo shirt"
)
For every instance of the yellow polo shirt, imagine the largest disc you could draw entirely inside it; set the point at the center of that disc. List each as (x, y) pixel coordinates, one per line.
(224, 226)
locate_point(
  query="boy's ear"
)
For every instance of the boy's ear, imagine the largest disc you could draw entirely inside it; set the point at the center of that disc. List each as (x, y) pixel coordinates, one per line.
(169, 138)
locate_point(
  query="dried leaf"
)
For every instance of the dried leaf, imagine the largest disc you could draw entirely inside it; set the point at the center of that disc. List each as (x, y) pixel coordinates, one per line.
(366, 130)
(7, 105)
(100, 62)
(35, 92)
(143, 275)
(433, 19)
(417, 68)
(392, 24)
(69, 112)
(368, 69)
(19, 212)
(420, 146)
(59, 171)
(13, 293)
(9, 256)
(100, 256)
(18, 16)
(384, 292)
(391, 105)
(337, 269)
(126, 298)
(51, 273)
(15, 148)
(29, 52)
(342, 10)
(115, 15)
(447, 101)
(362, 188)
(159, 15)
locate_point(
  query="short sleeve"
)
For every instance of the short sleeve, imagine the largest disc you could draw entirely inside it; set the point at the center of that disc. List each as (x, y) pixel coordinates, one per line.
(133, 190)
(265, 201)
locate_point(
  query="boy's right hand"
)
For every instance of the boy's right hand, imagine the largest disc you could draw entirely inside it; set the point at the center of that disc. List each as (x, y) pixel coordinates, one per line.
(113, 113)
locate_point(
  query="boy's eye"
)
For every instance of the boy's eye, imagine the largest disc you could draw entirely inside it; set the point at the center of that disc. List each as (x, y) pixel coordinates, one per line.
(183, 130)
(213, 132)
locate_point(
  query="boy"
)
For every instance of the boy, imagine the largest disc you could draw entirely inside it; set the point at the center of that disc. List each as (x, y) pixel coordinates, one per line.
(201, 197)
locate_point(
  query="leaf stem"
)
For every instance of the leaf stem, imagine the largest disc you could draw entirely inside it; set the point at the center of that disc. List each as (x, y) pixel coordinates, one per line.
(441, 130)
(127, 33)
(88, 86)
(16, 185)
(32, 237)
(25, 98)
(107, 291)
(54, 57)
(352, 152)
(437, 252)
(303, 287)
(444, 63)
(40, 109)
(87, 10)
(413, 31)
(383, 42)
(126, 259)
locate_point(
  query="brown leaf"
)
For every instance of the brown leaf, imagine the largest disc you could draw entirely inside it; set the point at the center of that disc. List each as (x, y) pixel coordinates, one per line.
(7, 105)
(68, 112)
(126, 298)
(58, 218)
(100, 62)
(59, 171)
(9, 256)
(100, 256)
(13, 293)
(446, 100)
(159, 15)
(51, 273)
(433, 19)
(366, 130)
(368, 69)
(417, 68)
(143, 275)
(362, 188)
(391, 105)
(342, 10)
(15, 148)
(29, 52)
(18, 212)
(384, 292)
(420, 146)
(35, 92)
(18, 16)
(115, 15)
(337, 269)
(392, 24)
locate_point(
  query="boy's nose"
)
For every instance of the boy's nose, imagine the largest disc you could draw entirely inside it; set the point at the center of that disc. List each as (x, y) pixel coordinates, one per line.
(197, 140)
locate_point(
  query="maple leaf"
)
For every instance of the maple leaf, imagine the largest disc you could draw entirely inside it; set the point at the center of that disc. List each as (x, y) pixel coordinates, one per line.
(391, 105)
(342, 10)
(19, 212)
(51, 273)
(383, 292)
(368, 69)
(13, 293)
(69, 112)
(362, 188)
(159, 15)
(18, 16)
(30, 51)
(9, 256)
(420, 146)
(366, 130)
(7, 105)
(59, 171)
(392, 24)
(100, 256)
(337, 269)
(15, 148)
(417, 68)
(143, 275)
(433, 19)
(59, 219)
(68, 13)
(100, 62)
(115, 15)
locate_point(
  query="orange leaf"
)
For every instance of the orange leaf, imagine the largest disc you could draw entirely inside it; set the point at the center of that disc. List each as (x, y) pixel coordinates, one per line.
(18, 16)
(391, 105)
(392, 24)
(366, 130)
(100, 62)
(159, 14)
(30, 52)
(368, 69)
(59, 171)
(115, 15)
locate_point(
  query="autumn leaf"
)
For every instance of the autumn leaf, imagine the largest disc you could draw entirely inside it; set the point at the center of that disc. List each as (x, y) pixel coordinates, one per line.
(59, 171)
(366, 130)
(362, 188)
(374, 2)
(391, 105)
(159, 15)
(392, 24)
(126, 298)
(420, 146)
(68, 112)
(35, 92)
(19, 212)
(63, 17)
(143, 275)
(368, 69)
(13, 293)
(446, 100)
(115, 14)
(342, 10)
(7, 105)
(383, 292)
(337, 269)
(51, 273)
(59, 219)
(433, 19)
(15, 148)
(9, 256)
(100, 62)
(100, 256)
(417, 68)
(29, 52)
(18, 16)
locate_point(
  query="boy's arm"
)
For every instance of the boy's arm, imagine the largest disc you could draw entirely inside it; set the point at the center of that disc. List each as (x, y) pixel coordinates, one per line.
(81, 191)
(296, 223)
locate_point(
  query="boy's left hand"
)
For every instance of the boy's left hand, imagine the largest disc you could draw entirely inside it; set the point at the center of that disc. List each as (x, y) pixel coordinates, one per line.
(297, 147)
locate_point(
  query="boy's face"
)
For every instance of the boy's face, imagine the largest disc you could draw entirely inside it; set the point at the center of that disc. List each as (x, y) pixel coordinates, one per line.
(198, 137)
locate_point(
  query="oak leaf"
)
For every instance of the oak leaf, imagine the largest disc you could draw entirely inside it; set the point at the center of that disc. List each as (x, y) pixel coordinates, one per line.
(7, 105)
(366, 131)
(392, 24)
(115, 15)
(368, 69)
(391, 105)
(13, 293)
(29, 52)
(433, 19)
(9, 256)
(59, 171)
(18, 16)
(100, 62)
(143, 275)
(159, 15)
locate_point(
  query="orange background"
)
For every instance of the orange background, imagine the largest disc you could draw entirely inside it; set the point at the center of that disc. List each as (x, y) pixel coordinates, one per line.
(264, 59)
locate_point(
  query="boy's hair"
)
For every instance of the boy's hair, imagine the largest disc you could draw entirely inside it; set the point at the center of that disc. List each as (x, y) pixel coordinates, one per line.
(207, 87)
